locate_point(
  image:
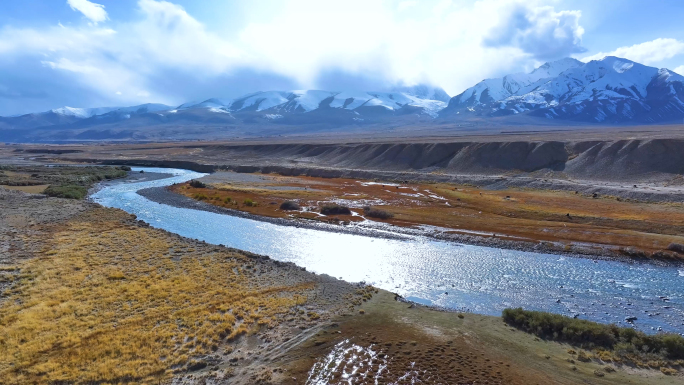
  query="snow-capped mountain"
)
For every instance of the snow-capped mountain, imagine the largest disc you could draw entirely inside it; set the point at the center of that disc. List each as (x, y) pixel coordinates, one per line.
(81, 112)
(256, 114)
(85, 113)
(414, 99)
(609, 90)
(72, 115)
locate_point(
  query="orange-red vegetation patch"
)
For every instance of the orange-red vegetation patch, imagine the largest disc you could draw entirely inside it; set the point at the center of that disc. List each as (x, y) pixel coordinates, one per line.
(553, 216)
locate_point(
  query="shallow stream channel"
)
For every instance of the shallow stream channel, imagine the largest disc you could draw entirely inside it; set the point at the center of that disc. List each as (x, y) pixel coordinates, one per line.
(471, 278)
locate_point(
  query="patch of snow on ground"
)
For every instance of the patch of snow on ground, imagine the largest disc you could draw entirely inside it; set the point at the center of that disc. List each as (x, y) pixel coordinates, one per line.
(348, 363)
(376, 184)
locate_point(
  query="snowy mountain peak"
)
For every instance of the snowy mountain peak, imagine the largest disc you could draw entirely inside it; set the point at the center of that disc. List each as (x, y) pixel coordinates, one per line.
(424, 91)
(428, 100)
(555, 68)
(491, 90)
(84, 113)
(81, 112)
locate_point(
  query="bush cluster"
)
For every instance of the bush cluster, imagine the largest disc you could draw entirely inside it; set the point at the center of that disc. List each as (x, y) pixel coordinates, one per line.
(623, 341)
(289, 205)
(197, 184)
(335, 209)
(249, 203)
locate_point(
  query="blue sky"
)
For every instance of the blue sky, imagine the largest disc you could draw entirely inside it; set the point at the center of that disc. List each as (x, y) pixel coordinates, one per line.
(84, 53)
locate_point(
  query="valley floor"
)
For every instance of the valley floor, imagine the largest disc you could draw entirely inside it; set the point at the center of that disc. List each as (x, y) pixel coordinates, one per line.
(89, 294)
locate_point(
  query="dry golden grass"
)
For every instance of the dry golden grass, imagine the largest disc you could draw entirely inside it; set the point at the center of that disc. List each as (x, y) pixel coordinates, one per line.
(38, 189)
(108, 303)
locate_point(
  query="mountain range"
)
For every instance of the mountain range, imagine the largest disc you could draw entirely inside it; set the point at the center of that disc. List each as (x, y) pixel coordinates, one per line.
(610, 90)
(607, 91)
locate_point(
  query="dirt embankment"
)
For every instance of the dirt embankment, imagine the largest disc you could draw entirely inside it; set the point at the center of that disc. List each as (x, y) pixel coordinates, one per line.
(624, 160)
(619, 160)
(639, 169)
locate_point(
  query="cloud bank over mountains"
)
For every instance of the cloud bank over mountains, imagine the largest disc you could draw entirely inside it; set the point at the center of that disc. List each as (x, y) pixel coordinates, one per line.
(164, 54)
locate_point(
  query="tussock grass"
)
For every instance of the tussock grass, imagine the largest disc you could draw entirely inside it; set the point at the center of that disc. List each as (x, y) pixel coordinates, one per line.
(110, 303)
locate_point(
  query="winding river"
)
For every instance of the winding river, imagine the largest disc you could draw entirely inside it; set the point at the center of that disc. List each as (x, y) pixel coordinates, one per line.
(479, 279)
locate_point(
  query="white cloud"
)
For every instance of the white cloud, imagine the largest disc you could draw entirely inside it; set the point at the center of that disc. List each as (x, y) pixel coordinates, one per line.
(301, 41)
(441, 7)
(538, 30)
(650, 52)
(404, 5)
(679, 70)
(93, 11)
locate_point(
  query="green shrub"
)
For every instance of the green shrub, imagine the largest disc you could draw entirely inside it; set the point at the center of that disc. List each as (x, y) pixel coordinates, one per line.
(197, 184)
(249, 203)
(624, 341)
(67, 191)
(125, 168)
(289, 205)
(228, 200)
(335, 209)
